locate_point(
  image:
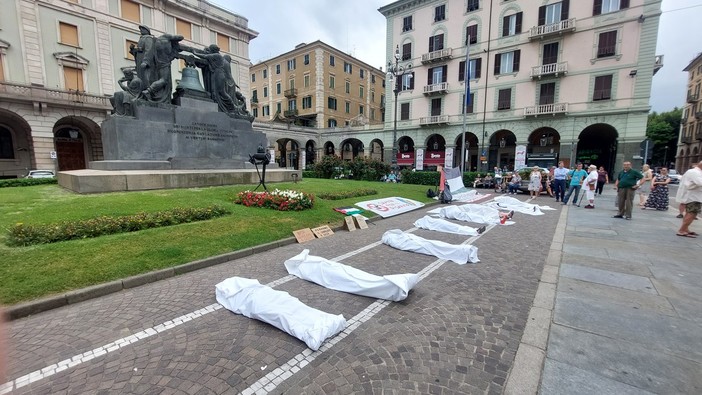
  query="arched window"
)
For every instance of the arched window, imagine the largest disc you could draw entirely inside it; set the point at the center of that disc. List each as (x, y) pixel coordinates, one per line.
(7, 149)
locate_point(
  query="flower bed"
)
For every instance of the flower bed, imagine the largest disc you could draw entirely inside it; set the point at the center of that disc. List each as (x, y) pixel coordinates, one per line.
(24, 235)
(347, 194)
(286, 200)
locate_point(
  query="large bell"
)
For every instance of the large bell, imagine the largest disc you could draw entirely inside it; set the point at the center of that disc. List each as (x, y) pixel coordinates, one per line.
(190, 80)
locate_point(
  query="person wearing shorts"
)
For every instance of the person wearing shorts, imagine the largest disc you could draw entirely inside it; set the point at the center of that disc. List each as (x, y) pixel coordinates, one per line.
(692, 184)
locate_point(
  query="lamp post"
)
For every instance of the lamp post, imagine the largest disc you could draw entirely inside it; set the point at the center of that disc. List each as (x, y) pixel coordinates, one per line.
(395, 74)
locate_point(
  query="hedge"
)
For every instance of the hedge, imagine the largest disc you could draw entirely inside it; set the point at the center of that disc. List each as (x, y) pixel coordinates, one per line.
(347, 194)
(23, 235)
(432, 177)
(26, 182)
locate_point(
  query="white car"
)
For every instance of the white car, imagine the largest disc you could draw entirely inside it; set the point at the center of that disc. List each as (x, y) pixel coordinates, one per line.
(40, 174)
(674, 176)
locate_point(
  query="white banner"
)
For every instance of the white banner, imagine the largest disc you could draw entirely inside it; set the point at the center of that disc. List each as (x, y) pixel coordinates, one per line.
(420, 159)
(302, 163)
(448, 159)
(388, 207)
(520, 157)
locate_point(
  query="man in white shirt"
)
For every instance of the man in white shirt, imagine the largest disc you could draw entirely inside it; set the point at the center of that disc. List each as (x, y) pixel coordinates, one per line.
(590, 184)
(690, 193)
(559, 181)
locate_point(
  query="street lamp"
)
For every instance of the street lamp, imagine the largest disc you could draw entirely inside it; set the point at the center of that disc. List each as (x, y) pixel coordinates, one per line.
(395, 74)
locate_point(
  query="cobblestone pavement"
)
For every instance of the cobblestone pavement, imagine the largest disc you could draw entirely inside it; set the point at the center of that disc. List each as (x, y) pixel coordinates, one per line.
(457, 332)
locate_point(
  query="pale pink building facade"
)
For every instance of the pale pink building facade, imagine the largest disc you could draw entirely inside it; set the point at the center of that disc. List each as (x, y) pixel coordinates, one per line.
(570, 80)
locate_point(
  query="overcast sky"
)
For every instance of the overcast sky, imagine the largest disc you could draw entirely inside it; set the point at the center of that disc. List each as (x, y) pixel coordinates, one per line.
(356, 27)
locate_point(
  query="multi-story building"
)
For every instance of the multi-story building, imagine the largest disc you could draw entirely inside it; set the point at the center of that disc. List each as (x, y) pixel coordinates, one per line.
(319, 86)
(690, 143)
(60, 60)
(567, 80)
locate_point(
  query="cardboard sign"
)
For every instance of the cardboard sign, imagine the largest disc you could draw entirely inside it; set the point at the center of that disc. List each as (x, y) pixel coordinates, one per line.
(322, 231)
(303, 235)
(349, 224)
(360, 221)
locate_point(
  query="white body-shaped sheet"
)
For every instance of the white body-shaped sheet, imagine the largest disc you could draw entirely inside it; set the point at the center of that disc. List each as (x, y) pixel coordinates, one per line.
(458, 253)
(510, 203)
(340, 277)
(477, 213)
(441, 225)
(250, 298)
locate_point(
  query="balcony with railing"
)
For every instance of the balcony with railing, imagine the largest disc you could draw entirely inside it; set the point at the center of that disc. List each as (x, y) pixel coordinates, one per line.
(437, 56)
(290, 93)
(686, 139)
(698, 115)
(434, 120)
(254, 101)
(547, 70)
(436, 89)
(546, 109)
(693, 98)
(290, 113)
(21, 92)
(561, 27)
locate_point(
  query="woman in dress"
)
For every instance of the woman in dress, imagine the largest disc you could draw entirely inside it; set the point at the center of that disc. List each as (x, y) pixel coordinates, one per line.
(602, 179)
(645, 185)
(535, 182)
(658, 198)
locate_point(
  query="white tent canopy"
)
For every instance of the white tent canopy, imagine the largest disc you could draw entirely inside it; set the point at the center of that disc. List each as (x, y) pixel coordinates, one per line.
(251, 299)
(340, 277)
(460, 253)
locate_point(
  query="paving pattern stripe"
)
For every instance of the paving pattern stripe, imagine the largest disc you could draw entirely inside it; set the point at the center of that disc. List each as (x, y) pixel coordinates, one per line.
(146, 333)
(272, 380)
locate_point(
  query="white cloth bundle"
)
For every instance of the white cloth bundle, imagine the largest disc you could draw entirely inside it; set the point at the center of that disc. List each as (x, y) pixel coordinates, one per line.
(470, 195)
(441, 225)
(510, 203)
(458, 253)
(471, 213)
(249, 298)
(340, 277)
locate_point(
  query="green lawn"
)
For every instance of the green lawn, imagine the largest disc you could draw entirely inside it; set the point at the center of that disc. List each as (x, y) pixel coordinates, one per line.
(32, 272)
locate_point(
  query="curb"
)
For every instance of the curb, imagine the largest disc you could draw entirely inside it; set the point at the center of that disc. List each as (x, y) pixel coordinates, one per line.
(26, 309)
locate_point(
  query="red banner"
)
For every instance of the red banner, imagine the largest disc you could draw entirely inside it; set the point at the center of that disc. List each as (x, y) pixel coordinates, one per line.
(434, 158)
(405, 158)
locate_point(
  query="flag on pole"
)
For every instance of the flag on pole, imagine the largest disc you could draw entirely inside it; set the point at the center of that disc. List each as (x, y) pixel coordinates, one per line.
(467, 75)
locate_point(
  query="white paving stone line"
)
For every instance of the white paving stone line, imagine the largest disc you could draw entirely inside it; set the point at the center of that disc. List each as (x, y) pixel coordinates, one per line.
(117, 344)
(272, 380)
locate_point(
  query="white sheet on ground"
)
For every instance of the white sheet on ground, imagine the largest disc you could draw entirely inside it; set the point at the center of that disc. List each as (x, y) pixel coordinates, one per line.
(466, 195)
(458, 253)
(441, 225)
(477, 213)
(251, 299)
(510, 203)
(340, 277)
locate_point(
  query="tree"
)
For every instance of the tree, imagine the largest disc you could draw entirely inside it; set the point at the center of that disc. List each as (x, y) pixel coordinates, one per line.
(663, 130)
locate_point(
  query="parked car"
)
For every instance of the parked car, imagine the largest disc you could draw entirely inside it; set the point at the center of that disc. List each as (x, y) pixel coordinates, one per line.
(674, 176)
(41, 174)
(524, 174)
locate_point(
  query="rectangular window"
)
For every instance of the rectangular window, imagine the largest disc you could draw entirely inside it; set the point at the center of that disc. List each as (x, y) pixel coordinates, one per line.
(606, 6)
(362, 73)
(254, 95)
(277, 88)
(407, 81)
(512, 24)
(292, 104)
(361, 108)
(407, 23)
(307, 102)
(130, 11)
(607, 44)
(436, 107)
(550, 55)
(348, 68)
(128, 45)
(372, 96)
(277, 69)
(306, 80)
(437, 75)
(73, 79)
(255, 112)
(472, 33)
(265, 73)
(278, 108)
(440, 13)
(265, 91)
(504, 99)
(347, 107)
(360, 92)
(407, 51)
(547, 93)
(469, 107)
(291, 84)
(306, 60)
(331, 103)
(473, 5)
(253, 77)
(603, 88)
(436, 43)
(68, 34)
(331, 123)
(223, 42)
(332, 82)
(507, 62)
(348, 87)
(404, 111)
(292, 63)
(266, 111)
(184, 28)
(553, 13)
(331, 60)
(372, 114)
(372, 78)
